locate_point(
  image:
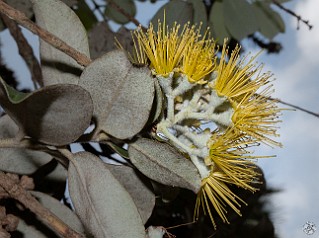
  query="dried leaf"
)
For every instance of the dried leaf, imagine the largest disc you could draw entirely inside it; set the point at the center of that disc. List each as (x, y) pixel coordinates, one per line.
(56, 115)
(122, 94)
(60, 20)
(162, 163)
(138, 186)
(103, 205)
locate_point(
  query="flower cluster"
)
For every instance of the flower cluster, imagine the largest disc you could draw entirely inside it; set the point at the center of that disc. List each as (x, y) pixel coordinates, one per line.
(230, 95)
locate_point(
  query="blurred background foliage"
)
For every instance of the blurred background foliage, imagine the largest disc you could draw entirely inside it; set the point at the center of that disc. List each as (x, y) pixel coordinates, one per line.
(257, 20)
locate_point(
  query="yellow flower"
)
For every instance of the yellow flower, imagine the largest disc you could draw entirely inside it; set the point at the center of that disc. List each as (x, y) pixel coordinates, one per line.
(257, 116)
(234, 78)
(214, 191)
(165, 47)
(171, 50)
(199, 60)
(228, 153)
(233, 100)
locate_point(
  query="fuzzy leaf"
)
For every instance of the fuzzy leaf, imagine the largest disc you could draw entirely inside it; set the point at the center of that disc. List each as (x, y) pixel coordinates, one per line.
(117, 149)
(24, 6)
(157, 108)
(85, 13)
(175, 11)
(270, 22)
(56, 115)
(200, 14)
(60, 210)
(23, 161)
(138, 186)
(38, 229)
(122, 94)
(155, 232)
(240, 19)
(162, 163)
(60, 20)
(115, 15)
(217, 22)
(102, 203)
(101, 39)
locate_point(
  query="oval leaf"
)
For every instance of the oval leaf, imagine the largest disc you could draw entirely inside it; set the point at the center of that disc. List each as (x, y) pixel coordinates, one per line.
(35, 229)
(85, 13)
(240, 19)
(175, 11)
(60, 210)
(56, 115)
(138, 186)
(103, 205)
(122, 94)
(23, 6)
(158, 102)
(200, 14)
(57, 18)
(270, 22)
(23, 161)
(162, 163)
(217, 22)
(127, 5)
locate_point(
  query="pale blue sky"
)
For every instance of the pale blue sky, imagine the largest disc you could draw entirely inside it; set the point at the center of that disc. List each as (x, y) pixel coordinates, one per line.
(295, 169)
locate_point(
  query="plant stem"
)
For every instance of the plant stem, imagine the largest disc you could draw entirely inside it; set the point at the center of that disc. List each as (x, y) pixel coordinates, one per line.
(25, 50)
(125, 13)
(51, 39)
(18, 193)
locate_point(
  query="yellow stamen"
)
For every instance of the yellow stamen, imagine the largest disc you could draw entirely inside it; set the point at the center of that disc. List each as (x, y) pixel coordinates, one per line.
(234, 78)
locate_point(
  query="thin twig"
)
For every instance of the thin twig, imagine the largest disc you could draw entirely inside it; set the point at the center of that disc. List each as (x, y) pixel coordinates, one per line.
(125, 13)
(25, 50)
(97, 7)
(293, 14)
(295, 107)
(26, 199)
(51, 39)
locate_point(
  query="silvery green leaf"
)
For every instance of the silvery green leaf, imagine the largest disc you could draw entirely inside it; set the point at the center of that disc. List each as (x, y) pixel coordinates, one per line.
(37, 229)
(175, 11)
(122, 94)
(56, 114)
(57, 18)
(24, 161)
(104, 206)
(270, 22)
(240, 18)
(118, 17)
(200, 14)
(138, 186)
(217, 22)
(162, 163)
(155, 232)
(157, 108)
